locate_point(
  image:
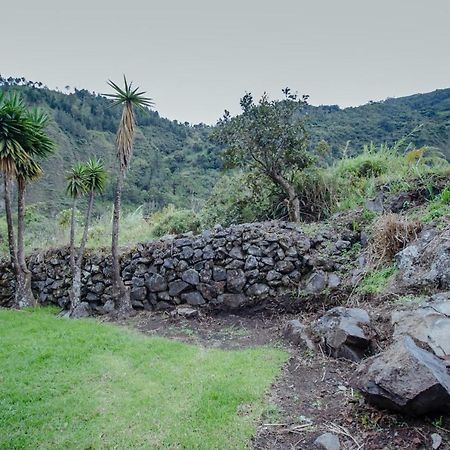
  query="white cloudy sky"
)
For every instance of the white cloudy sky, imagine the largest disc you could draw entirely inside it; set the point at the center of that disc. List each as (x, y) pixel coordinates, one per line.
(197, 57)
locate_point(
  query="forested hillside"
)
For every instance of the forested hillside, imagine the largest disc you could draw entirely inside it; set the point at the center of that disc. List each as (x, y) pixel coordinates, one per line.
(176, 163)
(385, 121)
(173, 163)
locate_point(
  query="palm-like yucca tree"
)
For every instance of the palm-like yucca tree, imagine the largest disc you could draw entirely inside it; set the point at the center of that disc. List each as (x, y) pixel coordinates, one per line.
(23, 142)
(129, 98)
(84, 178)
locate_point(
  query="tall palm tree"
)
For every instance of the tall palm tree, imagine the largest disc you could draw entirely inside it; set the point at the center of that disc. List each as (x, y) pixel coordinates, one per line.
(88, 178)
(129, 98)
(22, 142)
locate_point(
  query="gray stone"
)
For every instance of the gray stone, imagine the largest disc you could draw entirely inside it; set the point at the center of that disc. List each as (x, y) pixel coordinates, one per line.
(273, 275)
(254, 250)
(284, 266)
(429, 323)
(258, 290)
(236, 252)
(193, 298)
(406, 379)
(298, 334)
(317, 282)
(345, 332)
(208, 292)
(327, 441)
(333, 281)
(156, 283)
(191, 276)
(232, 301)
(235, 280)
(187, 252)
(342, 244)
(187, 312)
(138, 293)
(251, 263)
(177, 287)
(108, 307)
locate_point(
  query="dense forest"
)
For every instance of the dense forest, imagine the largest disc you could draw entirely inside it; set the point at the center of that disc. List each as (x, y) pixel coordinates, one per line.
(176, 163)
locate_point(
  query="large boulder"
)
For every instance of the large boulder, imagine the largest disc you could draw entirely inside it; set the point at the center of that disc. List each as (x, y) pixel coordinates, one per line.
(429, 323)
(345, 332)
(405, 378)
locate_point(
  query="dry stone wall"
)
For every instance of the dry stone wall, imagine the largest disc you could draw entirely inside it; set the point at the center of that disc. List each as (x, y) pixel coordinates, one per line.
(223, 268)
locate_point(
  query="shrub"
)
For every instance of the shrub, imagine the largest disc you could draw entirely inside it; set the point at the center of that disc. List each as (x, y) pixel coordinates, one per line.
(174, 221)
(240, 198)
(391, 234)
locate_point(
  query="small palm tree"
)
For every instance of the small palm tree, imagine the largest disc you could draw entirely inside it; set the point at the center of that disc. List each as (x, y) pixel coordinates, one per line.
(129, 98)
(88, 178)
(23, 142)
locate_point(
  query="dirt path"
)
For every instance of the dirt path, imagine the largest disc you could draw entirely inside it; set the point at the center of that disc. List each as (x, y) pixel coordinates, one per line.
(312, 395)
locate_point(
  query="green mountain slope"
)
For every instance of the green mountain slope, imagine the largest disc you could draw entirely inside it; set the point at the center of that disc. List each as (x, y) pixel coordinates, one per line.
(386, 121)
(177, 163)
(172, 163)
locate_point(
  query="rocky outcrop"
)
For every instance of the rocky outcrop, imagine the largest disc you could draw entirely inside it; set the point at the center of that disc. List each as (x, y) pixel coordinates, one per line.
(405, 378)
(223, 268)
(424, 265)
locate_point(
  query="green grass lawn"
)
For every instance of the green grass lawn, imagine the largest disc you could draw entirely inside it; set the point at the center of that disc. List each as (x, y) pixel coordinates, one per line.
(78, 384)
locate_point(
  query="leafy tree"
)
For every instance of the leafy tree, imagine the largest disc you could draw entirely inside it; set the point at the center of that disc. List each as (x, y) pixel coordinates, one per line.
(129, 98)
(84, 178)
(269, 139)
(23, 142)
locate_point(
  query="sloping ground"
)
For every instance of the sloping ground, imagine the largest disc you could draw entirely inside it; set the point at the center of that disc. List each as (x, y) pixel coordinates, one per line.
(80, 384)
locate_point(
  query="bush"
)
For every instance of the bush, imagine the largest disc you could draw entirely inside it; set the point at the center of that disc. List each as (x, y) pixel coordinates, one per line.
(174, 221)
(240, 198)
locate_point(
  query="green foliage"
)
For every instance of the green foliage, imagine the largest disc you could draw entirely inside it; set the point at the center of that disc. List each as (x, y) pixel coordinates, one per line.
(173, 221)
(64, 217)
(375, 281)
(438, 209)
(83, 384)
(239, 198)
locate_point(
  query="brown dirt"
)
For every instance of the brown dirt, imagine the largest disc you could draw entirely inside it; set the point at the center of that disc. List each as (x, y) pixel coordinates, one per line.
(312, 395)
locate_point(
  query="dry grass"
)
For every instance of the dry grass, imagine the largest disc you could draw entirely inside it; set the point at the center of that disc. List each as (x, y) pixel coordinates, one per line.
(392, 232)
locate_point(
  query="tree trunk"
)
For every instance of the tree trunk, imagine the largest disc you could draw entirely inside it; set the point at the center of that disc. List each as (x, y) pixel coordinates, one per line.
(293, 200)
(9, 222)
(120, 293)
(24, 294)
(75, 294)
(72, 236)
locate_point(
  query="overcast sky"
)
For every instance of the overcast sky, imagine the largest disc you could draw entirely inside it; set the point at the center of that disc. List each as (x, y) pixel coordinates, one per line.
(196, 58)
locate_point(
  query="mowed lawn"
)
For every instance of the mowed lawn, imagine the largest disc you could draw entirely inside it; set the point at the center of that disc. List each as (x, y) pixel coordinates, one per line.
(79, 384)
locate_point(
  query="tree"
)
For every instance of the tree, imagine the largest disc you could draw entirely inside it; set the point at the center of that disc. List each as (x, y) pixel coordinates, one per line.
(129, 98)
(269, 139)
(23, 142)
(88, 178)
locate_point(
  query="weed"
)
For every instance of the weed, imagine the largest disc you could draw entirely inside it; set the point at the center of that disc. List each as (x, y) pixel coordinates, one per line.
(375, 282)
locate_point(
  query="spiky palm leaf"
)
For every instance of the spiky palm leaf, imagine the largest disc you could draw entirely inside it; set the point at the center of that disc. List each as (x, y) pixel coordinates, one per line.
(129, 98)
(22, 138)
(76, 181)
(95, 175)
